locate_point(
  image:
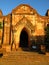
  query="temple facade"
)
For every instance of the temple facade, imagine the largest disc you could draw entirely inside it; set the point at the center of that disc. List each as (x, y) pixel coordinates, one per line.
(22, 27)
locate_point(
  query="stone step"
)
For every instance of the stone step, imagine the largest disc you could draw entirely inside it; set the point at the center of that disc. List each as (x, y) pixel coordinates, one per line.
(20, 56)
(23, 58)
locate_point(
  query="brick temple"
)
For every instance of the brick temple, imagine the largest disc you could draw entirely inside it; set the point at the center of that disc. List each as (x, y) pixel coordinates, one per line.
(22, 27)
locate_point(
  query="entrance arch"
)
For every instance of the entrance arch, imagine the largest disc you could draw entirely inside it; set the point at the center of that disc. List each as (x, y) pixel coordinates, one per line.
(24, 38)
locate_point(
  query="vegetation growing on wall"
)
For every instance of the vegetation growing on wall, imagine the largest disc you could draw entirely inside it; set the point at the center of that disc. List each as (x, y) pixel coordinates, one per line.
(1, 25)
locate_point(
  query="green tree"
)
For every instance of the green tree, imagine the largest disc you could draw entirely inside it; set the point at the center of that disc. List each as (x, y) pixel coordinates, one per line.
(1, 25)
(47, 36)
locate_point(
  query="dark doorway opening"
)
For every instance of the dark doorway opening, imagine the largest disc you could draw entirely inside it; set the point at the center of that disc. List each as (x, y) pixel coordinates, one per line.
(23, 39)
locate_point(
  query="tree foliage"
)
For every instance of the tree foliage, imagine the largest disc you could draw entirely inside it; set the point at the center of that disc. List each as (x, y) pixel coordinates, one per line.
(47, 33)
(1, 25)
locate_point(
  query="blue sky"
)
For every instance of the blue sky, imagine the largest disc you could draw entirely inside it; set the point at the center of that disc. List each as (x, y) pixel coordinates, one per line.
(40, 5)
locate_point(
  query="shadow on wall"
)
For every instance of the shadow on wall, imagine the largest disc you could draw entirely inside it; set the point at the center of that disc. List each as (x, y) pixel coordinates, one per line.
(38, 45)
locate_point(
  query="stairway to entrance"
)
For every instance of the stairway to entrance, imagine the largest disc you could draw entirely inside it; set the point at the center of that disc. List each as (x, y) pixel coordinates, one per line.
(24, 58)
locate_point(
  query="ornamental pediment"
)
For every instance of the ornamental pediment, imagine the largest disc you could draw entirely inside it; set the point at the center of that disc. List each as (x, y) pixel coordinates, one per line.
(24, 22)
(23, 8)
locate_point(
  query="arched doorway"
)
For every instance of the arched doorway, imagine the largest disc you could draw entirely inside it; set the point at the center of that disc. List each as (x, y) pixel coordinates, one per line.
(23, 39)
